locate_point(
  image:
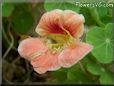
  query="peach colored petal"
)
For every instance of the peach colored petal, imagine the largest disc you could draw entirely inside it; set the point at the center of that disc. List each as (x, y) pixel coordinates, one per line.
(49, 23)
(71, 55)
(73, 23)
(46, 62)
(54, 64)
(41, 70)
(38, 61)
(57, 21)
(31, 47)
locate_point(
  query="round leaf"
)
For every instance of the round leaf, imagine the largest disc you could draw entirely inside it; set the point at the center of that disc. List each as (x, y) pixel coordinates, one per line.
(23, 22)
(60, 75)
(7, 9)
(95, 69)
(89, 20)
(107, 78)
(60, 5)
(107, 19)
(102, 40)
(77, 76)
(102, 11)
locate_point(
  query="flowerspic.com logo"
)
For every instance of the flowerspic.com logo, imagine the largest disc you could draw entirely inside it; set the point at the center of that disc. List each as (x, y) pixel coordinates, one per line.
(97, 4)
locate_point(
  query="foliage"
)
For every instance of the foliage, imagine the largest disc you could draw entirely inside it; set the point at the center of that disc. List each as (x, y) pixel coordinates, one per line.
(102, 40)
(7, 9)
(20, 20)
(60, 5)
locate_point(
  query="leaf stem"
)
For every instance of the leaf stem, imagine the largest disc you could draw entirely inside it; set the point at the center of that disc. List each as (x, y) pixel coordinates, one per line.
(82, 68)
(6, 37)
(10, 46)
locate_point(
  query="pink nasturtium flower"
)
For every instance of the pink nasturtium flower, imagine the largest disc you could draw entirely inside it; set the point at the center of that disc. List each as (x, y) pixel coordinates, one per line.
(59, 44)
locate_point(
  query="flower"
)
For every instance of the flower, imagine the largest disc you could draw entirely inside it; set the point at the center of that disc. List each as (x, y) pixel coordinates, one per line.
(59, 45)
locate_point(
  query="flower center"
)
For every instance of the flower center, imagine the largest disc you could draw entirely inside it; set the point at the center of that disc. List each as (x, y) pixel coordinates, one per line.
(57, 42)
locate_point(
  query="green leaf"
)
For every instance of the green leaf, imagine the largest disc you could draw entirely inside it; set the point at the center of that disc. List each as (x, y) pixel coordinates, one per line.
(88, 18)
(102, 40)
(59, 4)
(60, 75)
(102, 11)
(107, 78)
(107, 19)
(96, 17)
(23, 22)
(94, 68)
(7, 9)
(105, 14)
(77, 76)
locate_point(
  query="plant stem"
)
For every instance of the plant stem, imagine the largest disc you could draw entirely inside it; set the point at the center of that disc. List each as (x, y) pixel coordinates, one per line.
(82, 68)
(7, 39)
(10, 46)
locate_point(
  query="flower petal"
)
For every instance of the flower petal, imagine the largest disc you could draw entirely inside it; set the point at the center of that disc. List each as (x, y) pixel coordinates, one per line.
(46, 62)
(31, 48)
(71, 55)
(41, 70)
(54, 64)
(49, 23)
(73, 23)
(57, 21)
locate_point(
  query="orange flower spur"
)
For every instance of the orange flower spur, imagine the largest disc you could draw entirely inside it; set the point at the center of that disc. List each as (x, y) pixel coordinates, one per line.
(59, 44)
